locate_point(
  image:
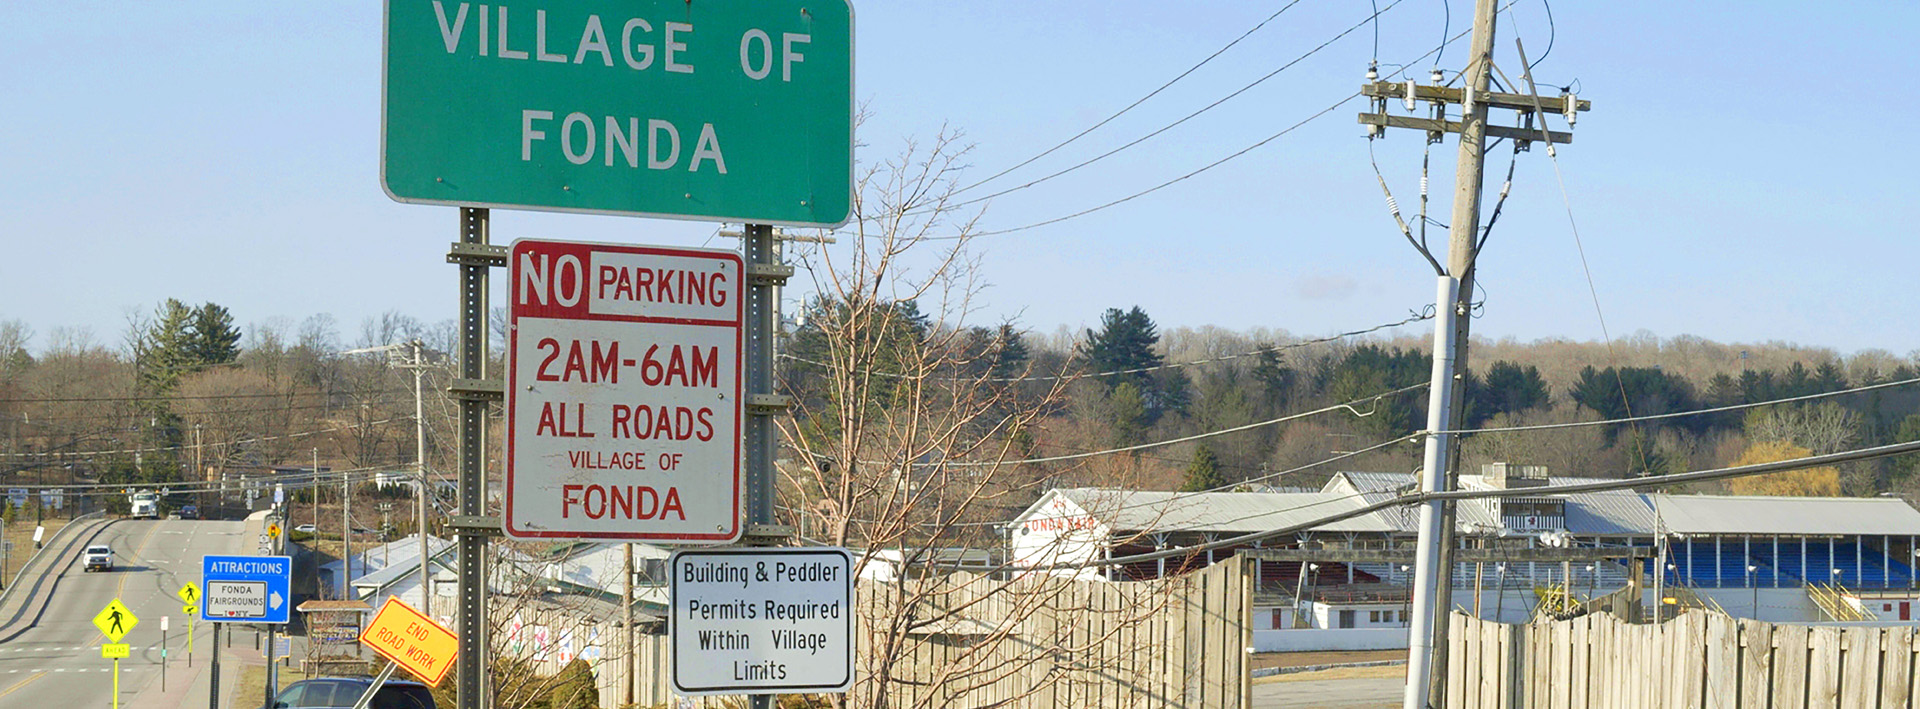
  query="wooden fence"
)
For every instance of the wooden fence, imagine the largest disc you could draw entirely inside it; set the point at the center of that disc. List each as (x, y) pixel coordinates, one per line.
(970, 641)
(1700, 659)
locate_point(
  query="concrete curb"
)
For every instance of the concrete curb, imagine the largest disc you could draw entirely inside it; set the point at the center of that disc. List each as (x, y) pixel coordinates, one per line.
(1275, 671)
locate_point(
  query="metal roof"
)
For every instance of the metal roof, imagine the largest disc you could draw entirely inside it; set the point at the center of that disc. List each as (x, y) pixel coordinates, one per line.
(1794, 516)
(1609, 513)
(1230, 512)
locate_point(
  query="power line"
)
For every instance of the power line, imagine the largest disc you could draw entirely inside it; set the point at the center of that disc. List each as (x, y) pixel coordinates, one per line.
(1143, 99)
(1374, 399)
(1682, 414)
(1183, 119)
(1456, 495)
(1189, 175)
(171, 397)
(1425, 314)
(191, 446)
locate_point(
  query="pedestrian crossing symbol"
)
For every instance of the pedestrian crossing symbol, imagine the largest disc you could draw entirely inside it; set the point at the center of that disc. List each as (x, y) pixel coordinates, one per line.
(190, 593)
(115, 620)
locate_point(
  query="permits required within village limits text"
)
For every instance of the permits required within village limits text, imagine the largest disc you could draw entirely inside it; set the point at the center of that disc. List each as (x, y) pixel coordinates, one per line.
(761, 621)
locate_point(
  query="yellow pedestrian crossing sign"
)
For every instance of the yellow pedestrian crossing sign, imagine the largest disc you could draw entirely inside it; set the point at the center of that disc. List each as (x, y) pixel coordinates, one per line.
(115, 620)
(190, 593)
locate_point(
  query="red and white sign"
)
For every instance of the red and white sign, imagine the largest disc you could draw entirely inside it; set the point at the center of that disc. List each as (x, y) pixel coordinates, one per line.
(624, 392)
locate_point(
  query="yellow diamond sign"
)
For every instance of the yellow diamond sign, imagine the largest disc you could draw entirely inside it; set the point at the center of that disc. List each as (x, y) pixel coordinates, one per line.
(190, 593)
(115, 620)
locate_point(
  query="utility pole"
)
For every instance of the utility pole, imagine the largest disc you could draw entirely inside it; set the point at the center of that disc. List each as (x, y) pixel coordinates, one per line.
(420, 475)
(626, 622)
(346, 538)
(1432, 590)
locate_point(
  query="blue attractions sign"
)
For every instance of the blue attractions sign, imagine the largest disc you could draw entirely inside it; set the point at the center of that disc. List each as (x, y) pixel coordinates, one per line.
(246, 589)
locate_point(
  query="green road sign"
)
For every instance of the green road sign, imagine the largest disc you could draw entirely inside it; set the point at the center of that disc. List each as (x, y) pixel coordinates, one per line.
(723, 110)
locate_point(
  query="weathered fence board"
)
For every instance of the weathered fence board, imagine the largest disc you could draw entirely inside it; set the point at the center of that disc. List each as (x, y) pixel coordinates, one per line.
(1698, 659)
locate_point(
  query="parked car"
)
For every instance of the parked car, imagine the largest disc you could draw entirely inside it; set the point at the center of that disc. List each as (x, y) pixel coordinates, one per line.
(327, 692)
(308, 529)
(99, 556)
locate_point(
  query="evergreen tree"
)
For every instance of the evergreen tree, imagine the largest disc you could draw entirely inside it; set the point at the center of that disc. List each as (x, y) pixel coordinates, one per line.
(1512, 388)
(1124, 342)
(215, 341)
(572, 688)
(1010, 353)
(1204, 472)
(1127, 415)
(1275, 377)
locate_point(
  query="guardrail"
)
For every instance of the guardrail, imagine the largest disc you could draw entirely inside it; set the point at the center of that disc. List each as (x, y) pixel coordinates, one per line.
(14, 582)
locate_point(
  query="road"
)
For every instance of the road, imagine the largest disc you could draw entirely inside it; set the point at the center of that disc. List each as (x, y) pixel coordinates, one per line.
(1369, 693)
(51, 656)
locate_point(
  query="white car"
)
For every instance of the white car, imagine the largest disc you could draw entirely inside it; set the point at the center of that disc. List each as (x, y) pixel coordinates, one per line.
(306, 528)
(99, 556)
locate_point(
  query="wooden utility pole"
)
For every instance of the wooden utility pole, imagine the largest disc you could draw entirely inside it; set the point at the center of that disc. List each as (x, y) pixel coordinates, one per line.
(1432, 591)
(626, 620)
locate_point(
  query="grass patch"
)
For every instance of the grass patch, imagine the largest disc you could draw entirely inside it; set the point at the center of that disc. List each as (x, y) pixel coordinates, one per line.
(20, 532)
(251, 690)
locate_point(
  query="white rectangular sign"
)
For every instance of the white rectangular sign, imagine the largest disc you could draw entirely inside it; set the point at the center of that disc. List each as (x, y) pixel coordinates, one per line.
(624, 392)
(762, 621)
(236, 599)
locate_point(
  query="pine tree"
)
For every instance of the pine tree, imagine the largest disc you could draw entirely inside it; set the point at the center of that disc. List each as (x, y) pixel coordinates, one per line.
(1204, 472)
(215, 341)
(1124, 342)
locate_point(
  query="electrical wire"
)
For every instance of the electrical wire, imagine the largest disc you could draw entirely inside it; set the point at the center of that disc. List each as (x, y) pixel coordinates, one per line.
(1457, 495)
(1196, 172)
(162, 397)
(1416, 316)
(1349, 406)
(1151, 94)
(1684, 414)
(192, 446)
(1184, 119)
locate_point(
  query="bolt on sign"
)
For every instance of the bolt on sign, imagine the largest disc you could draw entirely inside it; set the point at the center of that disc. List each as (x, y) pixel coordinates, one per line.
(412, 640)
(623, 393)
(725, 110)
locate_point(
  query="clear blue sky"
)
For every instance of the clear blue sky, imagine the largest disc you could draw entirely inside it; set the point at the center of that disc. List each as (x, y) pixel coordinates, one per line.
(1748, 173)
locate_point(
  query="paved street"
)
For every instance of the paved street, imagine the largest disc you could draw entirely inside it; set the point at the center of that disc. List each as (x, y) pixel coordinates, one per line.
(50, 655)
(1328, 693)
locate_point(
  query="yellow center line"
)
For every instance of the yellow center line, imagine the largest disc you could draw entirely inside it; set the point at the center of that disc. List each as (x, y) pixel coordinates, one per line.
(139, 554)
(22, 683)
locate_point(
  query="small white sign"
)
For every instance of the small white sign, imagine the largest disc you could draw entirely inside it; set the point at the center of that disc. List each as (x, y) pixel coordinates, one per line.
(623, 393)
(762, 621)
(236, 599)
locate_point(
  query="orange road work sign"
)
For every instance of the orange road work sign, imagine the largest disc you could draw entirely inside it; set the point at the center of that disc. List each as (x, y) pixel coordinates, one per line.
(411, 640)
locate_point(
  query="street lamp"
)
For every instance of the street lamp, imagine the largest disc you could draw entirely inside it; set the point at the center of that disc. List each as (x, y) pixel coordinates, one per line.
(1754, 584)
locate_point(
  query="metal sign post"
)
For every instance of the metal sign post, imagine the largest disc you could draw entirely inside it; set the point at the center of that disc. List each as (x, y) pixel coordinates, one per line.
(470, 528)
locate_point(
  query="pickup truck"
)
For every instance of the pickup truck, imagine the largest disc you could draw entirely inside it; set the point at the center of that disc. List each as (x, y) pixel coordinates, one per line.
(99, 556)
